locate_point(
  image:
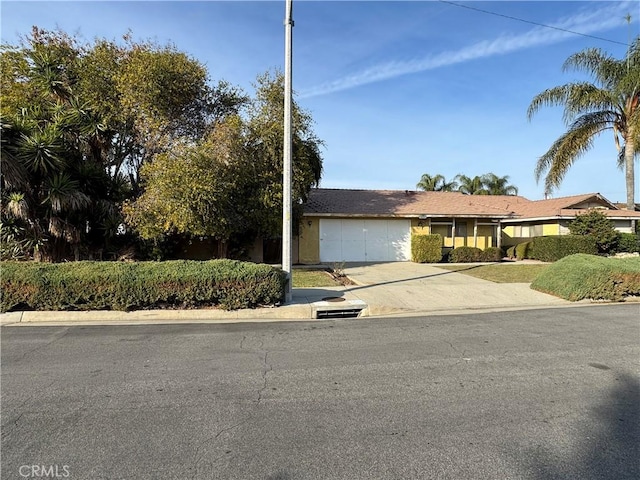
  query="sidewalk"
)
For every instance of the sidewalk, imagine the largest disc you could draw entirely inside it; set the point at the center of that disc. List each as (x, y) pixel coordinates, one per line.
(382, 289)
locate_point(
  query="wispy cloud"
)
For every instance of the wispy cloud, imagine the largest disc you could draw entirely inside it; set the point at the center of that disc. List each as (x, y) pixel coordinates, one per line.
(587, 22)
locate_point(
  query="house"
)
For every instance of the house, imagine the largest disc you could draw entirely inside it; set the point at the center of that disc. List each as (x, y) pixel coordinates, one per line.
(377, 225)
(552, 217)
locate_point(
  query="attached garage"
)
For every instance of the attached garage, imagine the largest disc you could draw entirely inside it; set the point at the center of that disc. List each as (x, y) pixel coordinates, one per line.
(365, 240)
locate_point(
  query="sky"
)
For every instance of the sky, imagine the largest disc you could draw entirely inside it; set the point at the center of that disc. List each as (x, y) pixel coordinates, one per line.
(396, 89)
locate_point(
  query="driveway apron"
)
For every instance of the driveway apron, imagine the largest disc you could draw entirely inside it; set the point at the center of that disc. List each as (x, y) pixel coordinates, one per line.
(412, 287)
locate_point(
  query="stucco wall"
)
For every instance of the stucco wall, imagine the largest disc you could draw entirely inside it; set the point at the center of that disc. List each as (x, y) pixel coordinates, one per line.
(309, 241)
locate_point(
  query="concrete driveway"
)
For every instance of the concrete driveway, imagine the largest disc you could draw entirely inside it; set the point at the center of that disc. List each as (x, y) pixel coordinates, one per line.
(398, 287)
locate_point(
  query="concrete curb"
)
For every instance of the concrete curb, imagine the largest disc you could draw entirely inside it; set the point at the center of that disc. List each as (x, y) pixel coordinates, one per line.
(290, 313)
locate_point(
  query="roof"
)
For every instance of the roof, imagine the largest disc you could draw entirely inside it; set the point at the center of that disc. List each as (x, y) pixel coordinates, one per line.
(409, 203)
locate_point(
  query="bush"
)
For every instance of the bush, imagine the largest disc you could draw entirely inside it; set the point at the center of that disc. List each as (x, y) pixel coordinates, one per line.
(426, 248)
(465, 255)
(581, 276)
(551, 249)
(229, 284)
(596, 224)
(511, 252)
(523, 250)
(628, 242)
(492, 254)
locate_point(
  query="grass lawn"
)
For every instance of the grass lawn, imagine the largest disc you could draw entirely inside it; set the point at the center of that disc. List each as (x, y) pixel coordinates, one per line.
(500, 273)
(312, 278)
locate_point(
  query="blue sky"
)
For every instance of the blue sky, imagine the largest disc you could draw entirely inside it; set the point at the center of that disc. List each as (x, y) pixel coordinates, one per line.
(396, 89)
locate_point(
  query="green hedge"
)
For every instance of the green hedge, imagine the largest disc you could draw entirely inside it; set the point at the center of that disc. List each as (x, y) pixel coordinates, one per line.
(229, 284)
(553, 248)
(426, 248)
(628, 242)
(581, 276)
(523, 250)
(473, 254)
(492, 254)
(465, 255)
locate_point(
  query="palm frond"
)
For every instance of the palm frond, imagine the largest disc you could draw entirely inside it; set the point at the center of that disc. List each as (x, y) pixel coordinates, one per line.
(17, 206)
(568, 148)
(603, 67)
(577, 99)
(41, 151)
(63, 194)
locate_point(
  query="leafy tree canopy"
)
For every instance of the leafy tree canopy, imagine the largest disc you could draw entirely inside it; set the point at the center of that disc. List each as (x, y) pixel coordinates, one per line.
(231, 182)
(79, 120)
(597, 225)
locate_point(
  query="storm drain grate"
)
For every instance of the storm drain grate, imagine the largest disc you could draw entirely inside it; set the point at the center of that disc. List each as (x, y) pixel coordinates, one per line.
(339, 313)
(337, 307)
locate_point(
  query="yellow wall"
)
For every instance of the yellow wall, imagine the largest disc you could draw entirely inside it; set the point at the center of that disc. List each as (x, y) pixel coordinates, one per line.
(309, 242)
(484, 239)
(419, 227)
(509, 237)
(550, 229)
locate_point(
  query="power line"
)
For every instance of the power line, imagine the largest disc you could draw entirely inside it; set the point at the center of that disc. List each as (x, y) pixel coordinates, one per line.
(532, 23)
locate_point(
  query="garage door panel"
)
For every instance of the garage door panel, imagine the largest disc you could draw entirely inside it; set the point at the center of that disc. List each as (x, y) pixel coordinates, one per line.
(399, 236)
(364, 240)
(377, 247)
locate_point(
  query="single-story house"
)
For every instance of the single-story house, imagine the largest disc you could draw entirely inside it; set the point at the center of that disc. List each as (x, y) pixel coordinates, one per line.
(377, 225)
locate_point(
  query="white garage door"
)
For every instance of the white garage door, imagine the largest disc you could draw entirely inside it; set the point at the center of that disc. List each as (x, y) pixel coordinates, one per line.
(365, 240)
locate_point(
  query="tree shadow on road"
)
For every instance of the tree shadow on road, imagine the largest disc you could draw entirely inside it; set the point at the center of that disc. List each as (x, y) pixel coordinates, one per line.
(610, 445)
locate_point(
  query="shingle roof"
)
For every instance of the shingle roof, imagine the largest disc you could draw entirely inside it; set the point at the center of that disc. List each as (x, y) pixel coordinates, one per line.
(408, 203)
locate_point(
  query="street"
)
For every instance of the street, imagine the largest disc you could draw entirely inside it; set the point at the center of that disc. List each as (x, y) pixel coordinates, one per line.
(538, 394)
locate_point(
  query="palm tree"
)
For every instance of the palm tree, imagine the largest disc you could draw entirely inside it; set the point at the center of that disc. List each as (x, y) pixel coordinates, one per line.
(429, 183)
(54, 181)
(609, 103)
(498, 185)
(436, 183)
(471, 185)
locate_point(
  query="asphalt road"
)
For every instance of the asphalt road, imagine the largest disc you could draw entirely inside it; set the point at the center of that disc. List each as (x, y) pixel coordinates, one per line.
(544, 394)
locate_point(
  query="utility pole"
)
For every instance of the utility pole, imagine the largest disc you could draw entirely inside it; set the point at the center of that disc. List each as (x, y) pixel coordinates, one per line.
(287, 230)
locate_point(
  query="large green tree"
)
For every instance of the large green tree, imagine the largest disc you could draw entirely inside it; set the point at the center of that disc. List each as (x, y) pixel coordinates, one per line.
(230, 184)
(55, 184)
(610, 102)
(79, 120)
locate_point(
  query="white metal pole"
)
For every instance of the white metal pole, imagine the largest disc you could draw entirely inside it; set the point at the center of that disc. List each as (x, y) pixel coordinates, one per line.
(287, 160)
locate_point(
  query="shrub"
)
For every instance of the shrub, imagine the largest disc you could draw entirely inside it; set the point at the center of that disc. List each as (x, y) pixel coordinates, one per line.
(596, 224)
(551, 249)
(523, 250)
(229, 284)
(426, 248)
(511, 252)
(628, 242)
(465, 255)
(492, 254)
(581, 276)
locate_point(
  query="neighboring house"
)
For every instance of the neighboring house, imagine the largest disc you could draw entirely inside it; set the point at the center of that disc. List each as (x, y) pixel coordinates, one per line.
(552, 217)
(376, 225)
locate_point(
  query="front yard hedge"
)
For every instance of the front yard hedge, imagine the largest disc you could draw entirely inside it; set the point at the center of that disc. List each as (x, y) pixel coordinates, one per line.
(473, 254)
(228, 284)
(426, 248)
(553, 248)
(581, 276)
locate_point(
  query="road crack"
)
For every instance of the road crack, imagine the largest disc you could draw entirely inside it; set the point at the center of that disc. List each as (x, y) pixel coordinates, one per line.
(266, 368)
